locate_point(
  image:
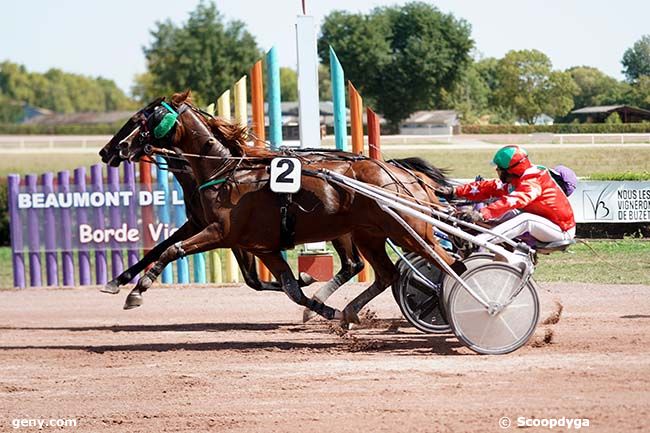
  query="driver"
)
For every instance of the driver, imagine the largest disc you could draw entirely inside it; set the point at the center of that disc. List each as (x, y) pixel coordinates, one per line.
(545, 210)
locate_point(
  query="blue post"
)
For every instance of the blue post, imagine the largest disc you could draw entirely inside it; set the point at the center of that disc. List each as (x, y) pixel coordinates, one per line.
(275, 109)
(182, 265)
(338, 96)
(162, 181)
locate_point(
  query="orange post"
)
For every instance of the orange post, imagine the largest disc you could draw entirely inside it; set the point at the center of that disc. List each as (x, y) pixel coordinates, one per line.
(374, 145)
(147, 211)
(356, 130)
(257, 102)
(356, 120)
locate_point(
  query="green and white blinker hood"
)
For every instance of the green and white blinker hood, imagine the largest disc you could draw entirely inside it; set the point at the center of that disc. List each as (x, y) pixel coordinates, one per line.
(167, 123)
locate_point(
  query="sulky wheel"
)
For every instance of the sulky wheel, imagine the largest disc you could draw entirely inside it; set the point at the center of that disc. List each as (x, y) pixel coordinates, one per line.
(471, 262)
(512, 321)
(402, 268)
(419, 303)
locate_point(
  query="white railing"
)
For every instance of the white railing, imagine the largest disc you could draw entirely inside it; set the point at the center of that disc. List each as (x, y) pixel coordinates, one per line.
(603, 138)
(58, 143)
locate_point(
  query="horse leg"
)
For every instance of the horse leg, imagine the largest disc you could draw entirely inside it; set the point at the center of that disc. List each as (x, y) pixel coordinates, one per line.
(282, 271)
(186, 230)
(374, 251)
(247, 265)
(351, 265)
(208, 239)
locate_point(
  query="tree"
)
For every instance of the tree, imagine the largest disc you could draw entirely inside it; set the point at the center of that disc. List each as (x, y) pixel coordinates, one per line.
(469, 96)
(636, 60)
(288, 85)
(596, 88)
(205, 54)
(401, 59)
(529, 87)
(640, 92)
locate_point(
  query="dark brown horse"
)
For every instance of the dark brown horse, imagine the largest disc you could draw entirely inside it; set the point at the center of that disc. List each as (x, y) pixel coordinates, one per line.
(351, 263)
(232, 206)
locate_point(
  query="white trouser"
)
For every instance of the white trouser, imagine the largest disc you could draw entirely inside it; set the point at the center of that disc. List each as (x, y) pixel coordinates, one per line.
(539, 227)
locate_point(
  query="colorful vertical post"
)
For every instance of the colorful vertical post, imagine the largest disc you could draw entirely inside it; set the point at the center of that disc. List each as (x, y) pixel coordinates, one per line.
(82, 218)
(356, 119)
(273, 92)
(67, 262)
(162, 182)
(115, 220)
(374, 134)
(16, 230)
(241, 104)
(338, 100)
(308, 103)
(97, 182)
(257, 102)
(33, 236)
(51, 263)
(182, 264)
(131, 214)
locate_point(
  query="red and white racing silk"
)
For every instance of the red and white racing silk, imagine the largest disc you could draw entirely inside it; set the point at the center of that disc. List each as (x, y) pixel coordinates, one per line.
(534, 191)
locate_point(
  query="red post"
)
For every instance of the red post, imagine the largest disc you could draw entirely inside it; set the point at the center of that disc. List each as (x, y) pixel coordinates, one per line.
(147, 211)
(374, 145)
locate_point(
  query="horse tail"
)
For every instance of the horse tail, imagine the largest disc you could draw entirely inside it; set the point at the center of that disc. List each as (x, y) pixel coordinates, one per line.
(438, 175)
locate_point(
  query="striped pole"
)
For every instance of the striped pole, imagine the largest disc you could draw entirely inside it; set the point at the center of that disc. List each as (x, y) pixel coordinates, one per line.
(275, 104)
(338, 100)
(16, 231)
(162, 183)
(50, 230)
(67, 262)
(82, 218)
(97, 181)
(33, 237)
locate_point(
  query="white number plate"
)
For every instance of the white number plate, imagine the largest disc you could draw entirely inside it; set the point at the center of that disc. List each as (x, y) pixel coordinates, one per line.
(285, 175)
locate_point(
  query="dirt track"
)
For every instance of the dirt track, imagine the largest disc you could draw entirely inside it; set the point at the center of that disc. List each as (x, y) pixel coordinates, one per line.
(229, 359)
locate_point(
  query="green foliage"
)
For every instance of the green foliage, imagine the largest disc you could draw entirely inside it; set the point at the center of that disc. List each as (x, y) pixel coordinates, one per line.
(469, 96)
(596, 88)
(10, 111)
(400, 58)
(204, 54)
(559, 128)
(529, 87)
(639, 94)
(613, 119)
(288, 85)
(59, 91)
(636, 60)
(324, 83)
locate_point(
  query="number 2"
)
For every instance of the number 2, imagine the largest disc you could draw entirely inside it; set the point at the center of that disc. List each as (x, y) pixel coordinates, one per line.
(283, 177)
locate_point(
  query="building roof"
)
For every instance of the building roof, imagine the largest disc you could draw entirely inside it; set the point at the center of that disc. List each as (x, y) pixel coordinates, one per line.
(608, 109)
(435, 117)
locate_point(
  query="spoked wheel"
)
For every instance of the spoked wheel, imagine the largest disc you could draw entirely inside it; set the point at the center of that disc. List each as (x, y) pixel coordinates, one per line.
(403, 268)
(504, 330)
(420, 304)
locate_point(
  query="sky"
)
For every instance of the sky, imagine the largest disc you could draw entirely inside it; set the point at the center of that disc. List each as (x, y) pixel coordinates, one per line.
(105, 38)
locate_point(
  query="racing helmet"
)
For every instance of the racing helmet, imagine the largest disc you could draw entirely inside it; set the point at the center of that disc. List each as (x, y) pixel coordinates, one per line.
(512, 159)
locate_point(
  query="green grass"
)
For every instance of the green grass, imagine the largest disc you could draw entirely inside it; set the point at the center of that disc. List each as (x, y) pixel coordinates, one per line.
(624, 261)
(466, 164)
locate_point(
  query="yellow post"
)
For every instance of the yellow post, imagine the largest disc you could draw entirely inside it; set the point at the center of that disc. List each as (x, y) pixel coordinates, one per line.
(241, 104)
(232, 270)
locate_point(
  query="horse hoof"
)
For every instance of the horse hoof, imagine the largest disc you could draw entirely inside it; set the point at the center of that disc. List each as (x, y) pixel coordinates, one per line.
(134, 300)
(350, 317)
(307, 315)
(144, 283)
(306, 279)
(111, 287)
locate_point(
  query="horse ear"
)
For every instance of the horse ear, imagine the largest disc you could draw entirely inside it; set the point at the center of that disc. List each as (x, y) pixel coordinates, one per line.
(179, 98)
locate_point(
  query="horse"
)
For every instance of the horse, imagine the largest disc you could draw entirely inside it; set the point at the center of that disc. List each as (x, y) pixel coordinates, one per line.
(351, 263)
(236, 188)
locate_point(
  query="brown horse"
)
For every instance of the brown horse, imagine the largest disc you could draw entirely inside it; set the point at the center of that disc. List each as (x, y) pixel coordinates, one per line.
(351, 263)
(239, 190)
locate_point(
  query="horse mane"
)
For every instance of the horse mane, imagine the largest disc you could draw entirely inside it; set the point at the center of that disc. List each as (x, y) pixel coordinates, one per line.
(438, 175)
(232, 135)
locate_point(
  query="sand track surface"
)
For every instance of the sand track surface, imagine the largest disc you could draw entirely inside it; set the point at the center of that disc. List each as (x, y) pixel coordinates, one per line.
(230, 359)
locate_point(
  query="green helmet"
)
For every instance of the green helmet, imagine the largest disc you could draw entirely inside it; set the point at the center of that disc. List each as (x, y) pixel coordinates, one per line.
(508, 157)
